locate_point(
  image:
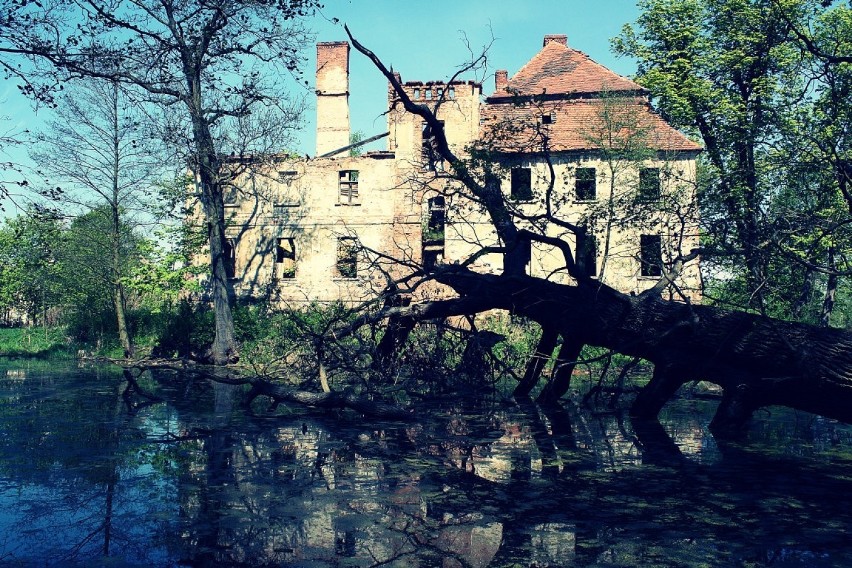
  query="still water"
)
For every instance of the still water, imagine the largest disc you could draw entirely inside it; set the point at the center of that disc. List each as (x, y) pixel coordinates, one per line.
(94, 475)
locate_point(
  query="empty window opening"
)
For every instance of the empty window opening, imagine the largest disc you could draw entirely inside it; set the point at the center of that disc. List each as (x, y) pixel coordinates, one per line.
(436, 221)
(548, 118)
(348, 188)
(451, 93)
(428, 94)
(229, 253)
(440, 92)
(286, 176)
(521, 189)
(432, 257)
(430, 158)
(285, 257)
(230, 195)
(649, 184)
(651, 255)
(347, 257)
(586, 184)
(416, 94)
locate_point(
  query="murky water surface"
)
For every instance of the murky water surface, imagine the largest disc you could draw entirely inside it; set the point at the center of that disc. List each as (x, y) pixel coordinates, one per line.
(92, 476)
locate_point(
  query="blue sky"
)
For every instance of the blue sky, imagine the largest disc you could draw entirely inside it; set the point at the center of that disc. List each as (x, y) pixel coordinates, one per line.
(424, 40)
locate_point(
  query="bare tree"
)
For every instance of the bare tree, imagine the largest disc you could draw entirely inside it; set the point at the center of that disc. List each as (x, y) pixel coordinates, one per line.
(208, 65)
(96, 149)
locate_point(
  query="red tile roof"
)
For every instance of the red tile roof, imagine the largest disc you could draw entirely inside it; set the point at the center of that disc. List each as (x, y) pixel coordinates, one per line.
(558, 69)
(580, 124)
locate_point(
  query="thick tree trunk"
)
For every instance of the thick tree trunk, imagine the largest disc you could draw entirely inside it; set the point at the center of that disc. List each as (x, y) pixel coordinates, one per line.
(566, 361)
(543, 351)
(758, 361)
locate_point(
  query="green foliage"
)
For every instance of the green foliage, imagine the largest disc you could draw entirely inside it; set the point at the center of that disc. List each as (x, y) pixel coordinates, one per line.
(35, 342)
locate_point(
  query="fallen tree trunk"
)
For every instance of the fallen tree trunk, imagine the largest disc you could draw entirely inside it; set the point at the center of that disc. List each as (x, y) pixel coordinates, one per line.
(758, 361)
(277, 392)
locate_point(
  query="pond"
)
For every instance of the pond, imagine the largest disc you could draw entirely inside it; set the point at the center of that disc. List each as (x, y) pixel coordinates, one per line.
(90, 476)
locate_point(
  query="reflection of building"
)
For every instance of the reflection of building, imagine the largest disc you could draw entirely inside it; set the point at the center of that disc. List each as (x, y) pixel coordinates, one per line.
(334, 226)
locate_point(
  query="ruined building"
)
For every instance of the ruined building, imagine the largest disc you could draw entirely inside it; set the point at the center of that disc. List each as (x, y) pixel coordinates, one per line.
(563, 129)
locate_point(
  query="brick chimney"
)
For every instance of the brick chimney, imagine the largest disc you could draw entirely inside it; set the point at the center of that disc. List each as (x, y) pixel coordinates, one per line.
(563, 39)
(332, 96)
(501, 80)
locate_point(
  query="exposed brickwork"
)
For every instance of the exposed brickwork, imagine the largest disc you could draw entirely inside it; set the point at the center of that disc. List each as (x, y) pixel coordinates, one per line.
(332, 86)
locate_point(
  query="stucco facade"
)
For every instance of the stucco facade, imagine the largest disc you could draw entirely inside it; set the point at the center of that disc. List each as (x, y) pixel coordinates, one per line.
(339, 227)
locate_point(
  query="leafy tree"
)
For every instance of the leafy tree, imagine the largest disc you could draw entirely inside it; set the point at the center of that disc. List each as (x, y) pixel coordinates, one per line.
(30, 246)
(96, 148)
(212, 68)
(90, 253)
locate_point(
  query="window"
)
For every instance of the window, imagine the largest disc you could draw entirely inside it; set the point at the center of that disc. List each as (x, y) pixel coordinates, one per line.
(285, 258)
(650, 255)
(428, 94)
(586, 184)
(286, 176)
(435, 224)
(649, 184)
(230, 196)
(429, 158)
(347, 257)
(348, 186)
(521, 184)
(590, 255)
(452, 93)
(416, 94)
(548, 118)
(440, 92)
(230, 255)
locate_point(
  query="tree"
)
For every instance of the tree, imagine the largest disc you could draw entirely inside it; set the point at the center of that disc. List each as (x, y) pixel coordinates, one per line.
(96, 148)
(212, 68)
(757, 360)
(29, 250)
(97, 256)
(762, 84)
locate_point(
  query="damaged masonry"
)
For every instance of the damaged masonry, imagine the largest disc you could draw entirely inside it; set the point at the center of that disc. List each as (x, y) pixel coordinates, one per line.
(340, 226)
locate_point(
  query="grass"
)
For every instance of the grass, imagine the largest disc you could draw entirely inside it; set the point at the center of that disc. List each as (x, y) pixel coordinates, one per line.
(41, 342)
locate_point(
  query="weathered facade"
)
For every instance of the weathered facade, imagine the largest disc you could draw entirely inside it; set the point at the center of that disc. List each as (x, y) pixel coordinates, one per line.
(569, 136)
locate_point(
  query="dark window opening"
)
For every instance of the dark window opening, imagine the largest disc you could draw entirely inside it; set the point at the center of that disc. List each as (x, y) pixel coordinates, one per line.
(429, 157)
(432, 257)
(548, 118)
(436, 222)
(347, 257)
(586, 184)
(649, 184)
(521, 184)
(348, 188)
(229, 253)
(651, 255)
(230, 195)
(285, 258)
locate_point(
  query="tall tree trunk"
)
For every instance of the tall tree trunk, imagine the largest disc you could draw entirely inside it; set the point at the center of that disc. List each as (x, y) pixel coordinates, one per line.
(830, 292)
(566, 361)
(543, 351)
(209, 172)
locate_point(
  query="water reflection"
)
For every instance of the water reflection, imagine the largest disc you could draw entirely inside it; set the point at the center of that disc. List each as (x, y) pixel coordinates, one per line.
(95, 470)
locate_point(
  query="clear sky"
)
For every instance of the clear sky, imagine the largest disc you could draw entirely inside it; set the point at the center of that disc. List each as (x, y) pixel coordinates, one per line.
(424, 40)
